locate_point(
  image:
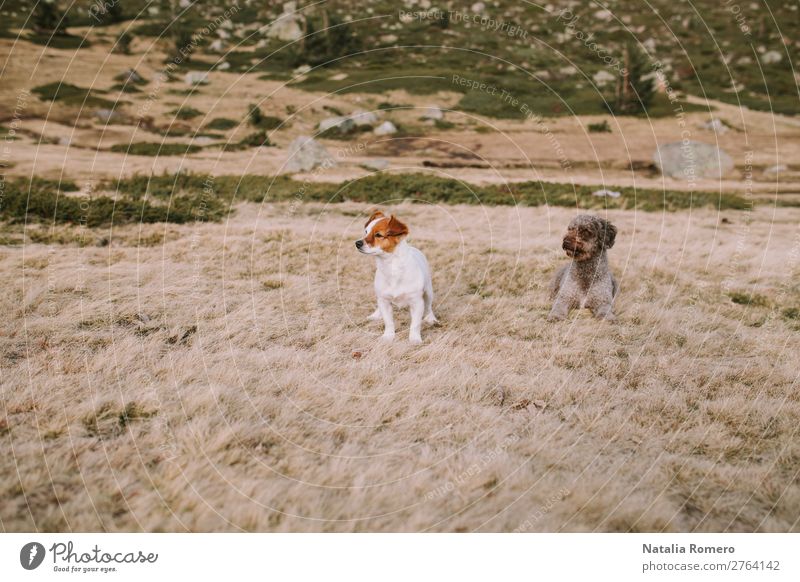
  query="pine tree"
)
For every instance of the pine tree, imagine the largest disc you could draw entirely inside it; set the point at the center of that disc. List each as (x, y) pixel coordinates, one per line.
(48, 18)
(635, 88)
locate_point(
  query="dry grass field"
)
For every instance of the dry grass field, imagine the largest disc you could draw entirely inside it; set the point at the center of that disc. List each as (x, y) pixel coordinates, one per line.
(223, 377)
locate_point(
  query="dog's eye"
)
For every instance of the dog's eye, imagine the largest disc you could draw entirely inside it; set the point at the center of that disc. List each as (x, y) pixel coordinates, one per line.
(378, 235)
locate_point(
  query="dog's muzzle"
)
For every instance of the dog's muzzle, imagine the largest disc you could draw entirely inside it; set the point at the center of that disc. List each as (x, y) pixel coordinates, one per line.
(569, 244)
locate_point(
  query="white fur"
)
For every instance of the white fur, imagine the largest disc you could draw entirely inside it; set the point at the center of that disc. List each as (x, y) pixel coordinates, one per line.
(402, 279)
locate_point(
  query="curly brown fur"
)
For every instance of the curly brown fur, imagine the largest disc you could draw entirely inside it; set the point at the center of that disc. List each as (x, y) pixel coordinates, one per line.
(586, 281)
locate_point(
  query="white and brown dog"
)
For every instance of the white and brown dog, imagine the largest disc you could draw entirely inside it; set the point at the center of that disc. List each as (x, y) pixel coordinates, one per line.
(403, 277)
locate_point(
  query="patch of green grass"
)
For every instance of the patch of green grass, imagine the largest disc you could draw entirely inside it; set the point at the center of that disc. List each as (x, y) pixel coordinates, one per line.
(791, 313)
(59, 41)
(443, 124)
(221, 124)
(71, 95)
(186, 113)
(750, 299)
(155, 149)
(423, 188)
(41, 200)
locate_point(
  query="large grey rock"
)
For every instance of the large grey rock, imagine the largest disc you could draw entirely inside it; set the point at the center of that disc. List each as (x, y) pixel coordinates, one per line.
(305, 154)
(692, 159)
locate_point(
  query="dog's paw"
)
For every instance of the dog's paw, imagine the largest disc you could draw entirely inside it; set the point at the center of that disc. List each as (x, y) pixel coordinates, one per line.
(387, 337)
(415, 340)
(430, 319)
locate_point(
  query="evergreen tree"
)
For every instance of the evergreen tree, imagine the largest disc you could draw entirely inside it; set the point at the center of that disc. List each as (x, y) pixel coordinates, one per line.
(635, 88)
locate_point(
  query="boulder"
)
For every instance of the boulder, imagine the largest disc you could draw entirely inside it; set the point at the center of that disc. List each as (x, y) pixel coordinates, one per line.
(692, 159)
(305, 154)
(385, 128)
(288, 26)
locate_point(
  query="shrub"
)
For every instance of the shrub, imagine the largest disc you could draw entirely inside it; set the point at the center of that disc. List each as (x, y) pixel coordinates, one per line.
(70, 95)
(221, 123)
(601, 127)
(186, 113)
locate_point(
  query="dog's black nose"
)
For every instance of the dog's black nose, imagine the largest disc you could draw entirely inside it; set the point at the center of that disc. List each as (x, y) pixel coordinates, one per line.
(359, 244)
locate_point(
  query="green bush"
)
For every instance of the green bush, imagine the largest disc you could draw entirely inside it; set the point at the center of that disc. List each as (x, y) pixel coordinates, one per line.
(70, 95)
(601, 127)
(221, 123)
(186, 113)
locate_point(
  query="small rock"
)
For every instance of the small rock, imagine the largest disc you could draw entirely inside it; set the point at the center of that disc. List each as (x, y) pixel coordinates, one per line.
(377, 164)
(339, 77)
(478, 7)
(602, 78)
(364, 118)
(217, 46)
(716, 126)
(385, 128)
(301, 70)
(607, 193)
(131, 77)
(196, 78)
(433, 112)
(771, 57)
(357, 355)
(773, 171)
(388, 38)
(106, 115)
(223, 66)
(344, 124)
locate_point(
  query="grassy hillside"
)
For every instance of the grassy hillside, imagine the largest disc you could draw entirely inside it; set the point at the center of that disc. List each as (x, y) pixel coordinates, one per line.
(546, 58)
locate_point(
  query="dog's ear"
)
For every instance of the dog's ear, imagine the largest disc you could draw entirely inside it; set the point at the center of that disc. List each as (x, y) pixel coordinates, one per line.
(395, 227)
(376, 214)
(608, 233)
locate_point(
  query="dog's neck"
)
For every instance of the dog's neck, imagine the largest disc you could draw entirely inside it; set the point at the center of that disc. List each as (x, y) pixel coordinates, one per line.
(391, 263)
(591, 269)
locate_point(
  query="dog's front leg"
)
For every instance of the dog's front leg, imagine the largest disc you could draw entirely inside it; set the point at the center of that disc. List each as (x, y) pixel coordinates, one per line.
(604, 311)
(385, 307)
(560, 308)
(417, 305)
